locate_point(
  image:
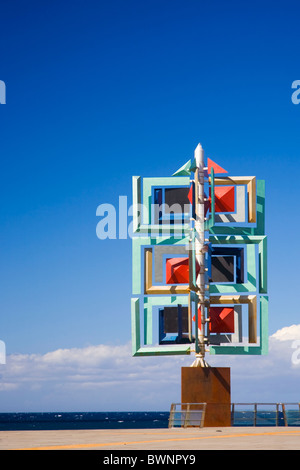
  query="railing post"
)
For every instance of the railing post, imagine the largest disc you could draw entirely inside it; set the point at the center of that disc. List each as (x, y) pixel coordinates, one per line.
(255, 412)
(172, 412)
(284, 414)
(187, 415)
(203, 415)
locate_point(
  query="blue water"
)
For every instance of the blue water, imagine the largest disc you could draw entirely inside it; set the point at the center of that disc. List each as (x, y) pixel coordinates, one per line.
(125, 420)
(84, 420)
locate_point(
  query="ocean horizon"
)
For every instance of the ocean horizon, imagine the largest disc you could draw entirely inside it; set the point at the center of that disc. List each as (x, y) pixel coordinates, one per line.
(22, 421)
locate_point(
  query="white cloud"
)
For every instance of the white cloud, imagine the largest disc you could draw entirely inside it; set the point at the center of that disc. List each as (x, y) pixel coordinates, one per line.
(287, 333)
(106, 377)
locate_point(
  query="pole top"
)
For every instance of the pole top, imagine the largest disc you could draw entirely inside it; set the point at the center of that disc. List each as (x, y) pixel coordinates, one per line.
(199, 156)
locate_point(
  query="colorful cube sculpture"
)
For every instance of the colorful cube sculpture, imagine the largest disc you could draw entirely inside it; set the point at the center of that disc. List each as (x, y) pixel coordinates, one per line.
(165, 302)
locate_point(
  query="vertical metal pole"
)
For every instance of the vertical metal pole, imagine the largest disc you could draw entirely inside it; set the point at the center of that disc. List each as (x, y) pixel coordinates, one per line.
(171, 417)
(187, 415)
(203, 415)
(200, 251)
(284, 414)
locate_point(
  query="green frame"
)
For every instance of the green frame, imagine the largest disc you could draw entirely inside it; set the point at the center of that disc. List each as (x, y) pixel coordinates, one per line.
(252, 256)
(136, 311)
(142, 223)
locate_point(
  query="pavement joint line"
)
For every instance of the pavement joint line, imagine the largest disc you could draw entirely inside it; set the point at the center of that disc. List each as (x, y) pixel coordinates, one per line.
(111, 444)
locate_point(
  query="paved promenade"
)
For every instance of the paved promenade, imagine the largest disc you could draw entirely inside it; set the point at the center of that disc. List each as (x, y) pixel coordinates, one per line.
(176, 439)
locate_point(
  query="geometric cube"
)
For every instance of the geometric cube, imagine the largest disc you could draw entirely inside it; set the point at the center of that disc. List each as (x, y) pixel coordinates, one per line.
(171, 316)
(222, 269)
(177, 270)
(151, 289)
(250, 181)
(177, 199)
(160, 253)
(173, 325)
(224, 199)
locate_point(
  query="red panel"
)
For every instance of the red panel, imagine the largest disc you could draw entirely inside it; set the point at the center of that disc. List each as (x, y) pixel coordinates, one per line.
(190, 195)
(217, 168)
(221, 320)
(199, 318)
(177, 270)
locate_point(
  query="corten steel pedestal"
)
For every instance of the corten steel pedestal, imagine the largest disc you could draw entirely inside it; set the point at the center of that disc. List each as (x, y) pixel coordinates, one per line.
(209, 385)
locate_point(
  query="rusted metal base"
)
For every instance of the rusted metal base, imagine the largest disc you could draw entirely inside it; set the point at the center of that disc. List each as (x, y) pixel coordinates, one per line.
(209, 385)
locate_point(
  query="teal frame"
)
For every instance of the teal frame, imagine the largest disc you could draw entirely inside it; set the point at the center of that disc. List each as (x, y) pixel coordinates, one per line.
(250, 243)
(142, 222)
(136, 311)
(147, 234)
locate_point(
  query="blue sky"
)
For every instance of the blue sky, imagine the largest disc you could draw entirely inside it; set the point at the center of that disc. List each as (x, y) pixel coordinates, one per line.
(100, 91)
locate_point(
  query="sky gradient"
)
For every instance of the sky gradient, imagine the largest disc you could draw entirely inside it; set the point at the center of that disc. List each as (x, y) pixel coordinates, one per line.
(99, 91)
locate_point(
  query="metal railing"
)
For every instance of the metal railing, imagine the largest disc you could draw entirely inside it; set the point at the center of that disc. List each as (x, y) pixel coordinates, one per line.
(187, 415)
(265, 414)
(242, 414)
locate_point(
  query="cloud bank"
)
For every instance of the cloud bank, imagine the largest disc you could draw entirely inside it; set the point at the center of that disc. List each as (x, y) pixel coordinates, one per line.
(108, 378)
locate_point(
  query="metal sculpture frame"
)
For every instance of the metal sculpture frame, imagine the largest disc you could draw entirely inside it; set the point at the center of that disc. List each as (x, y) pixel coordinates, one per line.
(201, 230)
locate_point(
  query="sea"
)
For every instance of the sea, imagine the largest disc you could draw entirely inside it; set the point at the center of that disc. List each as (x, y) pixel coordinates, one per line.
(84, 420)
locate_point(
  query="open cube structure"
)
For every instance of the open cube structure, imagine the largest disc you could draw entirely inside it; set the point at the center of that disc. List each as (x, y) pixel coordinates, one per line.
(199, 263)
